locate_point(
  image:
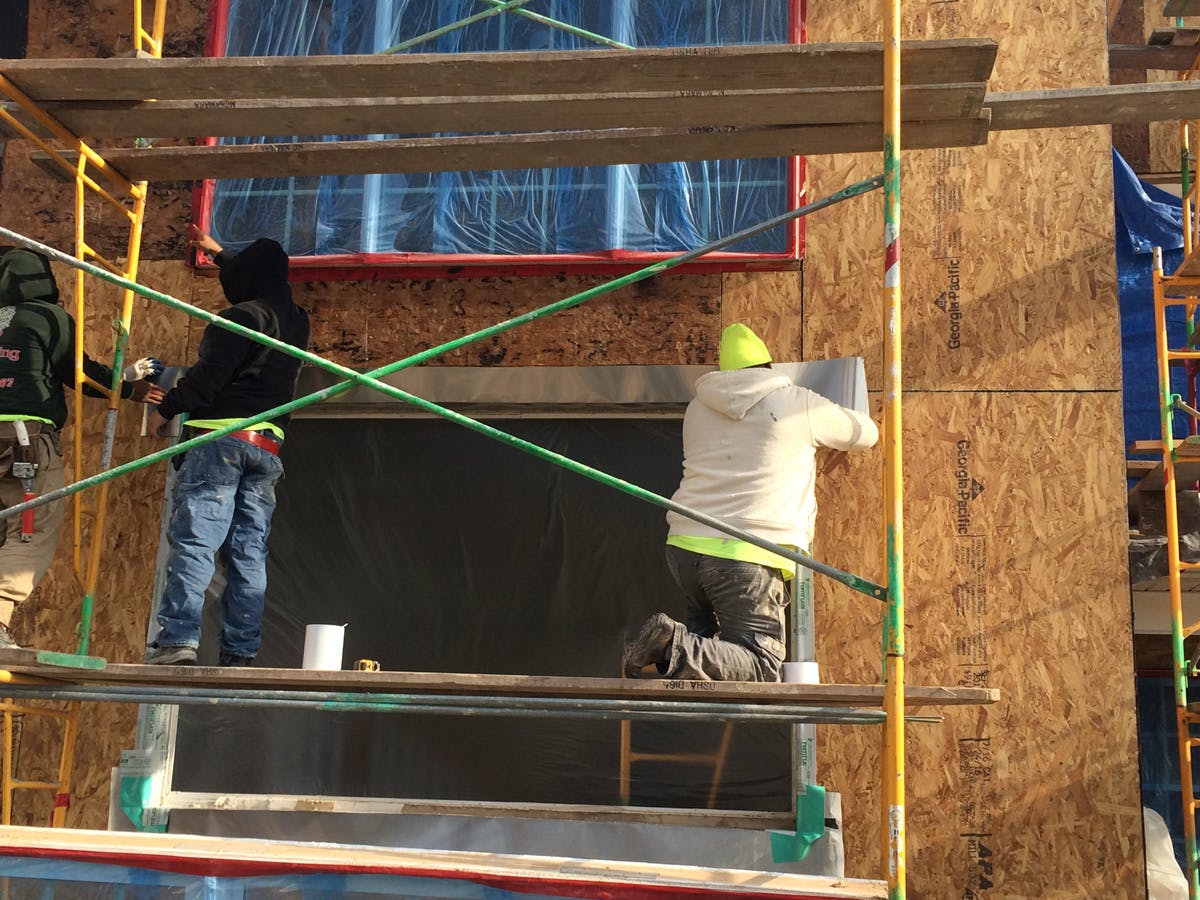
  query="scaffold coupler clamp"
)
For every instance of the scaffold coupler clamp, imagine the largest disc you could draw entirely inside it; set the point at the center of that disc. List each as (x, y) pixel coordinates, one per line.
(25, 467)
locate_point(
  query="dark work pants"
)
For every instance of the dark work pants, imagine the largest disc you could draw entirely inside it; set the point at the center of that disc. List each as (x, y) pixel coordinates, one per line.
(735, 619)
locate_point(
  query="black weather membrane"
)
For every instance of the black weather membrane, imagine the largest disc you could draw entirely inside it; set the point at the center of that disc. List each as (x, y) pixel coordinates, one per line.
(448, 552)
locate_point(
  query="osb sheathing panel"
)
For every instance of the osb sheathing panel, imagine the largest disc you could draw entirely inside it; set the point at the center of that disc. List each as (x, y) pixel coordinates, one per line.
(1016, 579)
(668, 320)
(1008, 283)
(1008, 268)
(1009, 286)
(1164, 136)
(768, 303)
(42, 207)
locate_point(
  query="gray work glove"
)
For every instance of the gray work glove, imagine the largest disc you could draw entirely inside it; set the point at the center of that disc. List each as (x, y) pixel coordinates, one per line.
(146, 367)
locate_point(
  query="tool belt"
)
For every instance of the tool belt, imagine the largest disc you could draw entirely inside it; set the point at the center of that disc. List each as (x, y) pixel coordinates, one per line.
(21, 461)
(266, 442)
(11, 451)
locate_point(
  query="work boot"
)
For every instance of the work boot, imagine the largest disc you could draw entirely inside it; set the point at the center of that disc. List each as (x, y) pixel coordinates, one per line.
(650, 646)
(169, 656)
(6, 640)
(231, 661)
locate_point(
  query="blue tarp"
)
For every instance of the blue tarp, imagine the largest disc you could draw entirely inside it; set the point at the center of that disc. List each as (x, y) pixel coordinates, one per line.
(1146, 217)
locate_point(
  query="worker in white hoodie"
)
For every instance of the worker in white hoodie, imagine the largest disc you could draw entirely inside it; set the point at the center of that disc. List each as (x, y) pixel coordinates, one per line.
(750, 440)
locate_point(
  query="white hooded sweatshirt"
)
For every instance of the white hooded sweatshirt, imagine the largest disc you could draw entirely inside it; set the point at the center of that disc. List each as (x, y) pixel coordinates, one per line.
(750, 438)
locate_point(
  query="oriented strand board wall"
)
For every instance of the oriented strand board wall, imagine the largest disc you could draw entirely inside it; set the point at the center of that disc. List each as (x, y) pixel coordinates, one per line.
(1012, 368)
(668, 320)
(1016, 535)
(1015, 569)
(1164, 136)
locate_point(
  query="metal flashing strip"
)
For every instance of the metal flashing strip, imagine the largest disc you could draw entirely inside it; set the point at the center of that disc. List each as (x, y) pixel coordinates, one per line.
(611, 391)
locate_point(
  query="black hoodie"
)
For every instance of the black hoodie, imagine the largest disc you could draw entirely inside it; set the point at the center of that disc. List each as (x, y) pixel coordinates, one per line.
(236, 377)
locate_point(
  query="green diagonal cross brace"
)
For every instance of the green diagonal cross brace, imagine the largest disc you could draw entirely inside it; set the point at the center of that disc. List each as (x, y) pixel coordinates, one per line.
(370, 379)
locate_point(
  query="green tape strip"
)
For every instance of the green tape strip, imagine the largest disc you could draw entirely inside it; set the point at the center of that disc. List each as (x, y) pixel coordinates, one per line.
(810, 827)
(134, 795)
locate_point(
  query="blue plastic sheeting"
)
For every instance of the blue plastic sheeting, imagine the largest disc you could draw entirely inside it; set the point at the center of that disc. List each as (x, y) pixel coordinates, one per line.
(1146, 217)
(32, 878)
(666, 207)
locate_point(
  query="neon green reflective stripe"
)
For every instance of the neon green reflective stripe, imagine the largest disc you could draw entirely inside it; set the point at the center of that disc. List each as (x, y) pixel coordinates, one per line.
(5, 417)
(214, 424)
(729, 548)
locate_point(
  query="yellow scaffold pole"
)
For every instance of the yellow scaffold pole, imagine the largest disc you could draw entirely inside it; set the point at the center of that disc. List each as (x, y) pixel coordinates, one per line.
(893, 487)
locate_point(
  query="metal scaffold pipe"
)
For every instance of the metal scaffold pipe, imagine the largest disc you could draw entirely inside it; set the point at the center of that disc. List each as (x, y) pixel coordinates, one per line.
(504, 6)
(455, 704)
(563, 26)
(371, 380)
(1181, 663)
(515, 7)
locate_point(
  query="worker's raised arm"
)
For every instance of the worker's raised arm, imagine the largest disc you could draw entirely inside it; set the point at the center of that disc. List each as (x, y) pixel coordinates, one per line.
(839, 428)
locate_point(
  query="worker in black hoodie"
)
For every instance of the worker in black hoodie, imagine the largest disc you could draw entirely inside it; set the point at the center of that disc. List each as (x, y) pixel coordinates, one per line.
(225, 489)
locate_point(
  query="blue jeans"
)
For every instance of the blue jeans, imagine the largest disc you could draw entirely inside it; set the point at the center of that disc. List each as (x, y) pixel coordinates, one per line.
(224, 497)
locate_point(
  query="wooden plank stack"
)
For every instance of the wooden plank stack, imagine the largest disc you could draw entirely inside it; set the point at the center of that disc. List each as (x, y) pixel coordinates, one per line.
(549, 109)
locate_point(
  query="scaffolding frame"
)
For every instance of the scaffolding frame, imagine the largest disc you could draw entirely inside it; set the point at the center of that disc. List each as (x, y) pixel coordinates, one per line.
(893, 849)
(10, 782)
(1181, 289)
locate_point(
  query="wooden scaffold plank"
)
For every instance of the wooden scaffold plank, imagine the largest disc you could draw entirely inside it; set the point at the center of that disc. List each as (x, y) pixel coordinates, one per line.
(517, 113)
(561, 876)
(735, 68)
(523, 151)
(24, 662)
(1106, 105)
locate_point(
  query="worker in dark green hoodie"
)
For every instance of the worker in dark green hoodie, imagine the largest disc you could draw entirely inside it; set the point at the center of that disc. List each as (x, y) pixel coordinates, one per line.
(37, 360)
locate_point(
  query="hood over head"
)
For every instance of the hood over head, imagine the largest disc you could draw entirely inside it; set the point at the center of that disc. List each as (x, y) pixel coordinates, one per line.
(26, 275)
(258, 270)
(733, 394)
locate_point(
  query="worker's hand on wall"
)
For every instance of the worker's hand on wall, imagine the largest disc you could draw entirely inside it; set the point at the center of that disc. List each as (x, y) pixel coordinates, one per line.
(146, 392)
(203, 241)
(156, 425)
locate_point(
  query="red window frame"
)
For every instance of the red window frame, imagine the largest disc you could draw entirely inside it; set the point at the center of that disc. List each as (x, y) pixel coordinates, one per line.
(396, 266)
